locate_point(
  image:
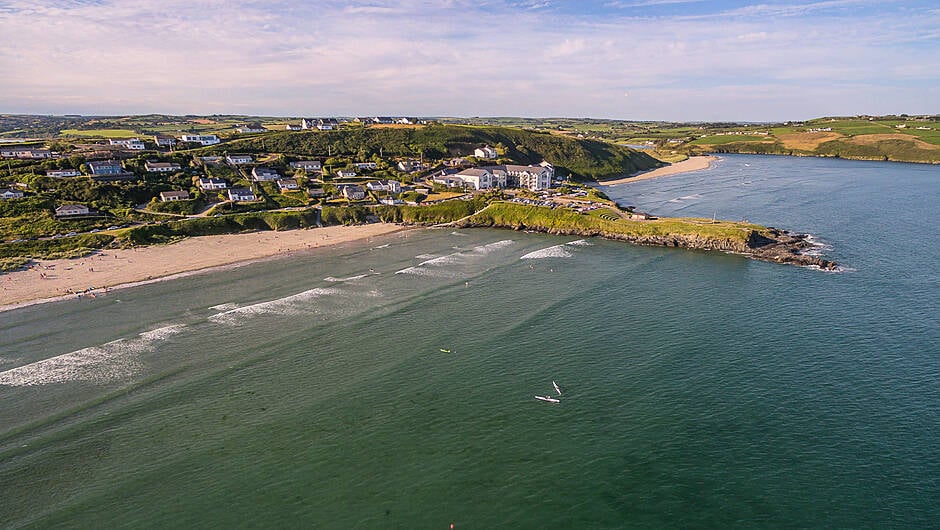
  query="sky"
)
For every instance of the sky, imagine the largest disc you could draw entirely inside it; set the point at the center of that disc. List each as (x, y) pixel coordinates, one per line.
(679, 60)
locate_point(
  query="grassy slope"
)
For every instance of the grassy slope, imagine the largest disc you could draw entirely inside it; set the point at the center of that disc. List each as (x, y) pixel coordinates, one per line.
(520, 216)
(586, 159)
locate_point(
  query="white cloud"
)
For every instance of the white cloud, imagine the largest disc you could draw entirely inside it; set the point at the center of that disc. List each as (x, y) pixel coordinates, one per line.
(423, 57)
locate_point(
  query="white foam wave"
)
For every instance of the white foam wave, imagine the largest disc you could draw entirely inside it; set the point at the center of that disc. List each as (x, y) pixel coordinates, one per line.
(686, 198)
(224, 307)
(456, 233)
(557, 251)
(580, 243)
(349, 279)
(481, 250)
(109, 362)
(382, 246)
(289, 305)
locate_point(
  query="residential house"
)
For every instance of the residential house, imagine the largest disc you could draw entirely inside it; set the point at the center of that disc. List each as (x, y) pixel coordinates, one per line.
(204, 139)
(316, 193)
(241, 194)
(161, 167)
(640, 216)
(239, 159)
(485, 152)
(451, 181)
(287, 185)
(59, 173)
(353, 192)
(210, 160)
(110, 167)
(391, 201)
(212, 183)
(251, 128)
(366, 166)
(383, 120)
(457, 162)
(405, 165)
(71, 210)
(164, 141)
(308, 123)
(134, 144)
(25, 152)
(264, 174)
(169, 196)
(306, 165)
(290, 127)
(345, 174)
(7, 193)
(327, 124)
(408, 121)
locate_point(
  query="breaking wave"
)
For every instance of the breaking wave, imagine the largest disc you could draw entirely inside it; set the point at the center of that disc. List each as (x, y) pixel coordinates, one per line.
(557, 251)
(109, 362)
(289, 305)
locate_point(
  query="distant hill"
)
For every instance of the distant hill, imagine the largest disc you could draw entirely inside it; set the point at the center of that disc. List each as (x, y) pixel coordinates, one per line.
(582, 158)
(896, 139)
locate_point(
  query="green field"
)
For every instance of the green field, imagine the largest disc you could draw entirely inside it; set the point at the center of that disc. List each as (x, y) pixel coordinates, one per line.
(730, 138)
(101, 133)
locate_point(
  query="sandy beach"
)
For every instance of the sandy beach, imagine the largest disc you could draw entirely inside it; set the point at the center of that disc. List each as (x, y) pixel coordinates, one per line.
(112, 268)
(694, 163)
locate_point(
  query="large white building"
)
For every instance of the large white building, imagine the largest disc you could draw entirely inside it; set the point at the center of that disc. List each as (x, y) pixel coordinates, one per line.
(510, 176)
(204, 139)
(134, 144)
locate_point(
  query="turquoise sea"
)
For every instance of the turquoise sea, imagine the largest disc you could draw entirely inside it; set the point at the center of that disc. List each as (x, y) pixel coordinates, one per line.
(391, 383)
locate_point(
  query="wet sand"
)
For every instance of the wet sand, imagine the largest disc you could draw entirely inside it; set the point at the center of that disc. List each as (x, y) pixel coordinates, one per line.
(694, 163)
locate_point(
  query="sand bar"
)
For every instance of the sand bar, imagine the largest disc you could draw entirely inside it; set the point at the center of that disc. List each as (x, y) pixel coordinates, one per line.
(50, 280)
(694, 163)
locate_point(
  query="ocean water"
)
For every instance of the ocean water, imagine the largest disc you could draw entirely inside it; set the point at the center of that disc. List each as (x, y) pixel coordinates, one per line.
(391, 383)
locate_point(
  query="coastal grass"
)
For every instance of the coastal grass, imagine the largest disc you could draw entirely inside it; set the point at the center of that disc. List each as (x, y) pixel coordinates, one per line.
(522, 216)
(66, 247)
(730, 138)
(104, 133)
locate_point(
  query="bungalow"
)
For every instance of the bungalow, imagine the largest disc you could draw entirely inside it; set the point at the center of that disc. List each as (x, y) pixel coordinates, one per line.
(307, 165)
(25, 152)
(264, 174)
(366, 166)
(251, 128)
(316, 193)
(204, 139)
(71, 210)
(169, 196)
(383, 120)
(128, 143)
(353, 192)
(485, 152)
(241, 194)
(391, 186)
(212, 160)
(457, 162)
(110, 167)
(164, 141)
(408, 121)
(239, 159)
(59, 173)
(391, 201)
(640, 216)
(7, 193)
(290, 127)
(287, 185)
(212, 184)
(451, 181)
(345, 174)
(327, 124)
(161, 167)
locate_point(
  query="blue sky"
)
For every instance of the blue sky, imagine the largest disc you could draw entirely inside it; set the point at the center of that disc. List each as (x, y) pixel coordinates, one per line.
(624, 59)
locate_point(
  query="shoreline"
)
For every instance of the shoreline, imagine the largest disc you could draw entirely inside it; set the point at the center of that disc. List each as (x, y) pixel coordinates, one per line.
(110, 269)
(693, 163)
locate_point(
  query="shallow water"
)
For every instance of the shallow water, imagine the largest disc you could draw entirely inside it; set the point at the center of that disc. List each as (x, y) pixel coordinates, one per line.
(699, 389)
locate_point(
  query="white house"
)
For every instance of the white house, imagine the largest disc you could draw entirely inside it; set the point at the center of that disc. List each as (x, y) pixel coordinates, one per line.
(241, 194)
(251, 128)
(128, 143)
(290, 127)
(170, 196)
(532, 177)
(69, 210)
(161, 167)
(327, 124)
(345, 173)
(307, 165)
(25, 152)
(59, 173)
(366, 166)
(7, 193)
(110, 167)
(485, 152)
(164, 141)
(264, 174)
(212, 184)
(392, 186)
(287, 185)
(353, 192)
(204, 139)
(239, 159)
